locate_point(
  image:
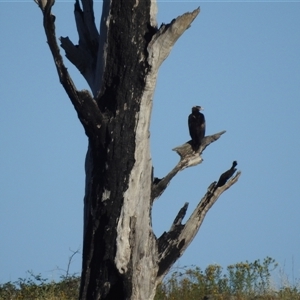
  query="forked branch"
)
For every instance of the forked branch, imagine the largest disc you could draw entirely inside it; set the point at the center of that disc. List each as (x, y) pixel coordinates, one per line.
(188, 158)
(172, 244)
(84, 104)
(84, 55)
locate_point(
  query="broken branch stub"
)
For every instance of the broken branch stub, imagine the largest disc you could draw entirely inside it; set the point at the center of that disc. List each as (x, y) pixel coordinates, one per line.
(162, 42)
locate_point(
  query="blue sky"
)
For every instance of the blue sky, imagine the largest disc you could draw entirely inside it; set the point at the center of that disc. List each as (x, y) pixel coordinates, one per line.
(239, 60)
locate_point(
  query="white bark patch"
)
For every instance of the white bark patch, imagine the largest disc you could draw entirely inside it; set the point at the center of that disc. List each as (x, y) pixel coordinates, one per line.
(108, 20)
(144, 250)
(153, 12)
(137, 204)
(137, 198)
(123, 247)
(105, 195)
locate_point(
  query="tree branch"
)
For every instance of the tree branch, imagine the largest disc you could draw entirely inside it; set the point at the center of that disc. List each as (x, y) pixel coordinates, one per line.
(84, 104)
(180, 216)
(76, 55)
(84, 55)
(188, 158)
(186, 150)
(162, 42)
(89, 19)
(173, 243)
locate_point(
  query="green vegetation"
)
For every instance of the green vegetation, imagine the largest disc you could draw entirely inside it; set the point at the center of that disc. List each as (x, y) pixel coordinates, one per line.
(241, 281)
(37, 288)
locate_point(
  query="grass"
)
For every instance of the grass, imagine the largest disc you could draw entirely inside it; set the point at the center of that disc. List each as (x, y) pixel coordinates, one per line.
(241, 281)
(37, 288)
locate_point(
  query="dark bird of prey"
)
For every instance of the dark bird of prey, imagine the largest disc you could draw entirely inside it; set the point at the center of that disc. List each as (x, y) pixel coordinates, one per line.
(226, 175)
(196, 126)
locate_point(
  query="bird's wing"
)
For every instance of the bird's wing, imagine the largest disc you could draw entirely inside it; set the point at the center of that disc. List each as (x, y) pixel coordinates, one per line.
(192, 125)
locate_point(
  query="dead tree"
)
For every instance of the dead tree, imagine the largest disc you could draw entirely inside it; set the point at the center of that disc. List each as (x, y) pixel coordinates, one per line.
(122, 258)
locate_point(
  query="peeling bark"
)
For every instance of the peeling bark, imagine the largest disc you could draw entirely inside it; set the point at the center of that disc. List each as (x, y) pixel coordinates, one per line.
(122, 258)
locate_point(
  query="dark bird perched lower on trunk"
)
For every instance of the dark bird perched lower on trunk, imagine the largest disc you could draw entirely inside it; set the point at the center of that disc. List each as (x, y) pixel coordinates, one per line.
(226, 175)
(196, 123)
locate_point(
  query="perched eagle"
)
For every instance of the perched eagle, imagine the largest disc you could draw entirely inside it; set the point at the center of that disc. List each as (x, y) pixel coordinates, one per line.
(226, 175)
(196, 127)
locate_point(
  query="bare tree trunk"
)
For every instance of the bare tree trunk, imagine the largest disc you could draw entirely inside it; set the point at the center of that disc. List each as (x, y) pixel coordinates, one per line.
(122, 258)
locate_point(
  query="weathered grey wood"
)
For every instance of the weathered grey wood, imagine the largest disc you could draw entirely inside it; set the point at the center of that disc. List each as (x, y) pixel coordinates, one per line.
(122, 258)
(172, 244)
(188, 158)
(186, 149)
